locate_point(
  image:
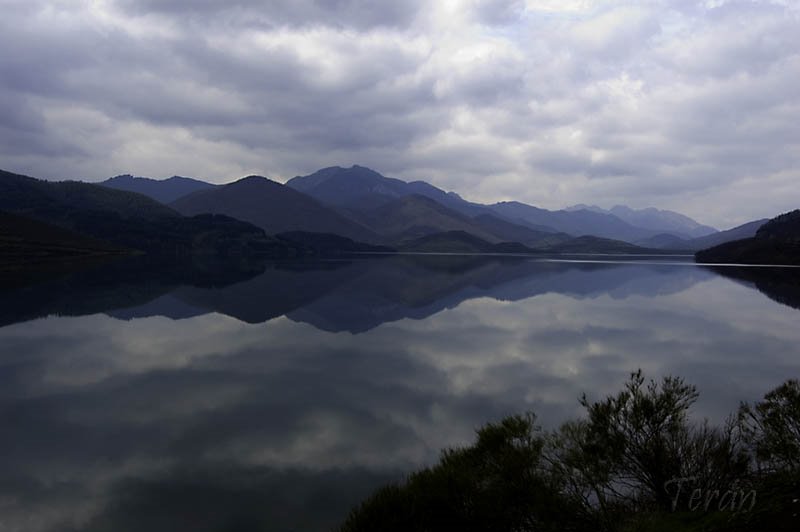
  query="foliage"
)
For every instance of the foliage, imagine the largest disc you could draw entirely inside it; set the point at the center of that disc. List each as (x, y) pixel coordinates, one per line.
(496, 484)
(773, 428)
(632, 445)
(784, 227)
(635, 462)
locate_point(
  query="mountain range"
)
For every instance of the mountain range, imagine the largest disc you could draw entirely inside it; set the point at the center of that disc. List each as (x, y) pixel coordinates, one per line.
(667, 222)
(361, 194)
(363, 205)
(356, 188)
(132, 221)
(352, 209)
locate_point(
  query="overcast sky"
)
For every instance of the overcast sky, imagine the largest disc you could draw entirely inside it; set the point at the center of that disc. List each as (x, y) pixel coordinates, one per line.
(689, 105)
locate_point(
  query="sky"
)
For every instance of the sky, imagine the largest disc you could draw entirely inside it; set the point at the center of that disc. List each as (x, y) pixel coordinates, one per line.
(688, 105)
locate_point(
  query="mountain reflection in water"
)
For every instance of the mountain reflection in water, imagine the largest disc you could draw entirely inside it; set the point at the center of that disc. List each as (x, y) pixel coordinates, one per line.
(337, 295)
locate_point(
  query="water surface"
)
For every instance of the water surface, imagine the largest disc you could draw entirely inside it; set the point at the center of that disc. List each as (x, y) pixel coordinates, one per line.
(138, 399)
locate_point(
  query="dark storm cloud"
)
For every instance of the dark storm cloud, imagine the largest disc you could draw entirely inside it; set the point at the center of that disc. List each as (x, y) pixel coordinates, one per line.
(23, 131)
(256, 98)
(359, 14)
(499, 12)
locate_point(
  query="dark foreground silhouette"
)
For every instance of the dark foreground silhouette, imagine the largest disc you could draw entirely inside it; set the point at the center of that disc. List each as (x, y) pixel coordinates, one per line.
(635, 462)
(776, 242)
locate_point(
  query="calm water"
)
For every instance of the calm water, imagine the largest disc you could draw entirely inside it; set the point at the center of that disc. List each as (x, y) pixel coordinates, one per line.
(134, 399)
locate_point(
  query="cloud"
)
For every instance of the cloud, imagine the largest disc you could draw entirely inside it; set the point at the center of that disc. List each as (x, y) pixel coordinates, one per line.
(661, 103)
(615, 33)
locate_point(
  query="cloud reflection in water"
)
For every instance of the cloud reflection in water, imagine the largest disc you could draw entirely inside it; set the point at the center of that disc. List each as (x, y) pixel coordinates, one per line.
(362, 373)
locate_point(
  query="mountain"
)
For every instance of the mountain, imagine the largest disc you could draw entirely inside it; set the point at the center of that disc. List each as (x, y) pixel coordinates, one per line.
(662, 221)
(511, 232)
(410, 217)
(464, 242)
(592, 244)
(747, 230)
(751, 251)
(584, 207)
(397, 210)
(134, 221)
(328, 244)
(164, 191)
(665, 241)
(665, 222)
(415, 216)
(25, 239)
(460, 242)
(358, 186)
(346, 187)
(576, 223)
(358, 189)
(776, 242)
(58, 200)
(784, 228)
(273, 207)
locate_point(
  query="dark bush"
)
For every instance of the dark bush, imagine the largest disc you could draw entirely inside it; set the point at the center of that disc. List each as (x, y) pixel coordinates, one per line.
(636, 462)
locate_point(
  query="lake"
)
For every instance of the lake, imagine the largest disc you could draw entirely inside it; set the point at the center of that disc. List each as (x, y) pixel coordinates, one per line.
(133, 398)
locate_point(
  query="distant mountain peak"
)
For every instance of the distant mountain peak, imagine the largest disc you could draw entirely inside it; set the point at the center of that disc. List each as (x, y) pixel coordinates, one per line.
(130, 178)
(162, 190)
(124, 177)
(254, 177)
(584, 207)
(663, 221)
(625, 208)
